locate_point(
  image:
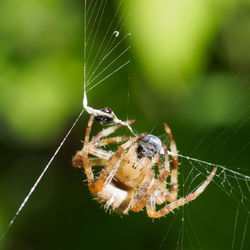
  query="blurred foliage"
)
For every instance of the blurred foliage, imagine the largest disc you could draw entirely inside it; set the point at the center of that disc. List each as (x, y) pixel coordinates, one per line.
(34, 94)
(190, 67)
(177, 37)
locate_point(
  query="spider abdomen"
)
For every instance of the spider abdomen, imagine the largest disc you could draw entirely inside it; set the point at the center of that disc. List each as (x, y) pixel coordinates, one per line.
(115, 197)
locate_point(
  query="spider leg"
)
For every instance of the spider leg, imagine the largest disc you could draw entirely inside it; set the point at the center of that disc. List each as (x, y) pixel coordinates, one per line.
(94, 162)
(147, 188)
(162, 195)
(85, 160)
(107, 131)
(109, 140)
(172, 195)
(162, 188)
(99, 153)
(180, 202)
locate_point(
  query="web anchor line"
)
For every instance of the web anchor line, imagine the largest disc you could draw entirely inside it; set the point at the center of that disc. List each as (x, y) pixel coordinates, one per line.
(39, 178)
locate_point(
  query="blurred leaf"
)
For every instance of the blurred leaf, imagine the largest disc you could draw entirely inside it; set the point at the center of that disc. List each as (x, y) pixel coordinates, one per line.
(172, 37)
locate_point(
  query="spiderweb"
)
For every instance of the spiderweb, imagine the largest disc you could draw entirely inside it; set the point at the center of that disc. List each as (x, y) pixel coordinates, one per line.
(231, 187)
(106, 54)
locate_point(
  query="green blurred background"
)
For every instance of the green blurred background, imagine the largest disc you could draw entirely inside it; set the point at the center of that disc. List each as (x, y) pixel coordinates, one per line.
(189, 67)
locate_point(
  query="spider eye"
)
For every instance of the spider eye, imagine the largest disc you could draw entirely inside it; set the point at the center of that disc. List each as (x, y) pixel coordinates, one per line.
(105, 119)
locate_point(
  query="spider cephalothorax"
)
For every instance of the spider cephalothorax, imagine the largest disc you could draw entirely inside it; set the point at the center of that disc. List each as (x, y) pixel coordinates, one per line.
(127, 180)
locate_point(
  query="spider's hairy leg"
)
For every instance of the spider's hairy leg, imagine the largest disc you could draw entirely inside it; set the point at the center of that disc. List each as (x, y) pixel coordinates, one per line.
(180, 202)
(94, 162)
(163, 193)
(144, 192)
(106, 141)
(85, 160)
(172, 195)
(94, 150)
(107, 131)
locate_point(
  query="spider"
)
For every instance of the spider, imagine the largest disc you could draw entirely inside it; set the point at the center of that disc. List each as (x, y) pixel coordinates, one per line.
(128, 181)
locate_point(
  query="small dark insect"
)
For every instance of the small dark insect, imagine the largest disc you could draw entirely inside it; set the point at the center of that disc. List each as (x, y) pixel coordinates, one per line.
(104, 120)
